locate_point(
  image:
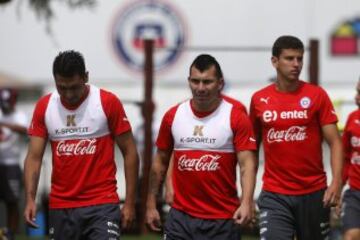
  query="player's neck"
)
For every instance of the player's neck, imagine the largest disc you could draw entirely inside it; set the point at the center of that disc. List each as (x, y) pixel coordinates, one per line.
(283, 85)
(73, 106)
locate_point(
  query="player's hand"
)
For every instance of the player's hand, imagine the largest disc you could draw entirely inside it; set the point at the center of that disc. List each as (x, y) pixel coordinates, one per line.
(127, 216)
(30, 213)
(244, 214)
(153, 219)
(332, 194)
(338, 209)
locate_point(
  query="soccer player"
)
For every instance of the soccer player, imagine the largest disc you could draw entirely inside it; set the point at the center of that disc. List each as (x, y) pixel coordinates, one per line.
(169, 190)
(13, 124)
(208, 136)
(291, 118)
(351, 199)
(82, 123)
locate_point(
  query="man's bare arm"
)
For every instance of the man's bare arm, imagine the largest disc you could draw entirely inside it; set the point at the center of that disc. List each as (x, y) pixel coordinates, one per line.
(332, 137)
(169, 190)
(14, 127)
(158, 171)
(157, 175)
(128, 149)
(32, 167)
(248, 169)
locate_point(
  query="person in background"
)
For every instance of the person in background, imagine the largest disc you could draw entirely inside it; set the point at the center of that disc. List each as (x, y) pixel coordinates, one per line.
(208, 136)
(83, 123)
(291, 118)
(350, 214)
(13, 124)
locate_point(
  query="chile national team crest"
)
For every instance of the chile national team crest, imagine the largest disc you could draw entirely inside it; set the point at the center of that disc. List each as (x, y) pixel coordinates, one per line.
(305, 102)
(148, 20)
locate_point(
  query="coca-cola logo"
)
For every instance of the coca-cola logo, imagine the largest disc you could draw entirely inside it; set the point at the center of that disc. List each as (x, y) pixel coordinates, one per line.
(82, 147)
(294, 133)
(206, 162)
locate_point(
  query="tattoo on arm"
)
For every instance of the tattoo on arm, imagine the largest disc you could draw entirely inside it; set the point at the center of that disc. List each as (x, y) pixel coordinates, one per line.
(156, 180)
(154, 183)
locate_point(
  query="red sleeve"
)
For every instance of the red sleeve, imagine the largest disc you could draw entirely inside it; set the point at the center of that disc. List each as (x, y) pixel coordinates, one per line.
(327, 113)
(242, 107)
(165, 139)
(115, 113)
(38, 126)
(254, 119)
(235, 103)
(244, 138)
(346, 138)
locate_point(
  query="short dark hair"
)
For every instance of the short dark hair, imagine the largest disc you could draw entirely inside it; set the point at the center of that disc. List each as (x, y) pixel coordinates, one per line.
(204, 62)
(69, 63)
(286, 42)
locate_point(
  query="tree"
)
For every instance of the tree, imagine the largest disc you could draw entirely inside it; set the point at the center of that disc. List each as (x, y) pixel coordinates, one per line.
(44, 10)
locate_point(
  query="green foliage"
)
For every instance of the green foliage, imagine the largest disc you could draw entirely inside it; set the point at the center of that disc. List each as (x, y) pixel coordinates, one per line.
(44, 10)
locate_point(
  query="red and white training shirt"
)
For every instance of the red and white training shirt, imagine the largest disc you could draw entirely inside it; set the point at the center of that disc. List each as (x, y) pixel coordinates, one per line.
(204, 175)
(351, 143)
(234, 102)
(290, 124)
(82, 144)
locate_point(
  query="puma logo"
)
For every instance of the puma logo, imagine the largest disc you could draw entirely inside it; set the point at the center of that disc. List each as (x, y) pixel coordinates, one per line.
(265, 100)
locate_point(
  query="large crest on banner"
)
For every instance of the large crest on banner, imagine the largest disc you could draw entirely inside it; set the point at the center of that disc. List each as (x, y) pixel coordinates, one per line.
(148, 20)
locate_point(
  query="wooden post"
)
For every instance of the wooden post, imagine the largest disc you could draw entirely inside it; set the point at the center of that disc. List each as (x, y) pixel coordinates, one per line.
(147, 111)
(314, 62)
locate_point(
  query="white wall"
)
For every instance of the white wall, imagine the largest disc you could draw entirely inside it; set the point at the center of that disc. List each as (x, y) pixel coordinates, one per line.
(27, 50)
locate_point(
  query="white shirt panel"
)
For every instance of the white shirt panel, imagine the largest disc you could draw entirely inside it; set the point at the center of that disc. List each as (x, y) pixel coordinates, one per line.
(210, 133)
(86, 121)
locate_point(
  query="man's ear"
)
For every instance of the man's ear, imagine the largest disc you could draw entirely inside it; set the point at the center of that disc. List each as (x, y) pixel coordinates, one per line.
(274, 61)
(86, 77)
(222, 84)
